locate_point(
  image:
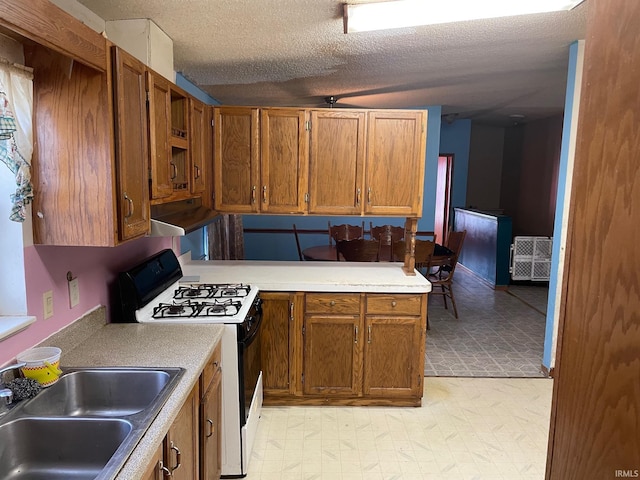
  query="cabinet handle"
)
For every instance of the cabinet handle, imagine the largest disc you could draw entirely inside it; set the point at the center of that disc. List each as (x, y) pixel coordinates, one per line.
(369, 334)
(332, 303)
(164, 471)
(174, 174)
(291, 311)
(253, 194)
(356, 333)
(178, 457)
(130, 205)
(211, 427)
(197, 171)
(264, 194)
(393, 303)
(369, 196)
(358, 192)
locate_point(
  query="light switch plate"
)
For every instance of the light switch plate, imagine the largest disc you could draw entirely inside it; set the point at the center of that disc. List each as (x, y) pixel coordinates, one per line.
(74, 293)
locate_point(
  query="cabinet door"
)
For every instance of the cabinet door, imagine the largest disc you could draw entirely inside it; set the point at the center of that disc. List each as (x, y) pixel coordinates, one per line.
(332, 355)
(159, 132)
(336, 162)
(210, 431)
(198, 130)
(181, 442)
(276, 342)
(131, 145)
(284, 160)
(392, 363)
(156, 468)
(396, 143)
(236, 158)
(208, 194)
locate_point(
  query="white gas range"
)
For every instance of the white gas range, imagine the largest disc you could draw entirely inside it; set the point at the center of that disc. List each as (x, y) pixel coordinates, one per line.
(155, 291)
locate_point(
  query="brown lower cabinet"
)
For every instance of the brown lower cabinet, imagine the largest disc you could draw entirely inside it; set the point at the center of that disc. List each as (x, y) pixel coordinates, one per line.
(181, 442)
(192, 447)
(343, 349)
(211, 418)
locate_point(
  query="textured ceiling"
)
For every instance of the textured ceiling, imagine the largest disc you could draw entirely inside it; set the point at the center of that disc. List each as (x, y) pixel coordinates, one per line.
(294, 53)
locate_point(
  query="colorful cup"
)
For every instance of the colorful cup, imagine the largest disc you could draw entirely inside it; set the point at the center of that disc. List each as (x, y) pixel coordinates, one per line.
(42, 364)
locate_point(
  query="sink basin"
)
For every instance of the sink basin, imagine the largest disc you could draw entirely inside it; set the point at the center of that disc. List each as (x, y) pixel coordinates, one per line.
(59, 448)
(85, 426)
(108, 392)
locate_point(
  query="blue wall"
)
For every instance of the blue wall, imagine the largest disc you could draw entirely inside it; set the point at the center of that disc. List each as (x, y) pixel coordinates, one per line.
(282, 246)
(194, 90)
(560, 199)
(455, 138)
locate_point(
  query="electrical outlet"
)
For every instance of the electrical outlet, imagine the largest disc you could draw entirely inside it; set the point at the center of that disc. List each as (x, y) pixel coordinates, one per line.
(47, 301)
(74, 293)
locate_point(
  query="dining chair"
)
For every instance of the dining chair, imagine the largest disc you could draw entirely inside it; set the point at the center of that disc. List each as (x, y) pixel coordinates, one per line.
(423, 253)
(455, 240)
(358, 250)
(386, 235)
(345, 232)
(443, 278)
(295, 232)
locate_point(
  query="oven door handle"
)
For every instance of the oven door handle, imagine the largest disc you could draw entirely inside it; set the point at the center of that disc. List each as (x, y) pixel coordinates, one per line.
(255, 330)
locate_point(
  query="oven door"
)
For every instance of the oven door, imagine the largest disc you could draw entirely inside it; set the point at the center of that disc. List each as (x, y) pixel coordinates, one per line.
(249, 366)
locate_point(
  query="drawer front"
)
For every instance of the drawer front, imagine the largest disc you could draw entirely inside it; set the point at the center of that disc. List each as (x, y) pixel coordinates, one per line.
(397, 304)
(210, 370)
(332, 303)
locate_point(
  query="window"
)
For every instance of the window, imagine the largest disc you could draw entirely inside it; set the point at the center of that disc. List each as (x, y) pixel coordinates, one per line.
(17, 98)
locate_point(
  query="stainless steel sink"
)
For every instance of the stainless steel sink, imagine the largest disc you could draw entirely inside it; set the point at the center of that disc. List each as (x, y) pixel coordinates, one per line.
(108, 393)
(85, 426)
(59, 448)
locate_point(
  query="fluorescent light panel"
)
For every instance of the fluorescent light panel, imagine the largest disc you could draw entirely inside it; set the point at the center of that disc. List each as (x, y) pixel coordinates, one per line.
(410, 13)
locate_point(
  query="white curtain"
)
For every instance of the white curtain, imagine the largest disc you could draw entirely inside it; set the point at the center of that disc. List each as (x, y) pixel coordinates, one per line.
(16, 132)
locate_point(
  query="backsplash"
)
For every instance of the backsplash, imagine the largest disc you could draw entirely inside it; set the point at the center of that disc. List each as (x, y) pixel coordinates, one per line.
(95, 268)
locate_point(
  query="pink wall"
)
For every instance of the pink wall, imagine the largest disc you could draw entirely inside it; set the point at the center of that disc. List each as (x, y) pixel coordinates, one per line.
(46, 269)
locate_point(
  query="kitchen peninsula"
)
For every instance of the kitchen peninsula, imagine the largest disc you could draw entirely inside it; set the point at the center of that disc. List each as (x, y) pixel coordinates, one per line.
(347, 334)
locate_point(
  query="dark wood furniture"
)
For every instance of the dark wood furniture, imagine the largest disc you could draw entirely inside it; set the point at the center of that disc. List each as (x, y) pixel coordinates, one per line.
(328, 253)
(387, 235)
(345, 232)
(423, 254)
(358, 250)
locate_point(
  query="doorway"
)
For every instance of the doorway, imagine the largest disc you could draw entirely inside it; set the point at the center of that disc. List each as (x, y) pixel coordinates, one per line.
(442, 217)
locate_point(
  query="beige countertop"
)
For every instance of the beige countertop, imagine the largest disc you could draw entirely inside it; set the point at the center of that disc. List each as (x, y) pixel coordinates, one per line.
(188, 346)
(382, 277)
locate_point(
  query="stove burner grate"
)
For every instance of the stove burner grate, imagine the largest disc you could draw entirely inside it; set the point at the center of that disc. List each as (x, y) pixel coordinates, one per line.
(190, 308)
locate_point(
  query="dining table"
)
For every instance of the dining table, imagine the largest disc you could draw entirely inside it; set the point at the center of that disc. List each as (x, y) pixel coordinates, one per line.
(441, 254)
(321, 253)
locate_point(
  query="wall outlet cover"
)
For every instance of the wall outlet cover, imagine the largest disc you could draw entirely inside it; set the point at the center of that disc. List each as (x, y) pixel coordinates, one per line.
(47, 302)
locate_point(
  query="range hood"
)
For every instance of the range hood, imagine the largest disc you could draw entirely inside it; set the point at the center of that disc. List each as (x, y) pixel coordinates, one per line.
(175, 219)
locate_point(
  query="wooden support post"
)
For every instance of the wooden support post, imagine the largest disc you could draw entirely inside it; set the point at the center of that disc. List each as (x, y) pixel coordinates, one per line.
(410, 228)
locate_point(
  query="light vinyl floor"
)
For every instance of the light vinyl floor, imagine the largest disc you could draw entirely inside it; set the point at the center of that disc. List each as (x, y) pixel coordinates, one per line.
(466, 429)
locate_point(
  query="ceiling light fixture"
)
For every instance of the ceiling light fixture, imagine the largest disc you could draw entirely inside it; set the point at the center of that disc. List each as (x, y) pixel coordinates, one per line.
(410, 13)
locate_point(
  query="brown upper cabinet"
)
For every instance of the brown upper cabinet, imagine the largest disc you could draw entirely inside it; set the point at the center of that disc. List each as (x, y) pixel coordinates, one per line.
(159, 90)
(131, 145)
(181, 158)
(90, 182)
(396, 144)
(320, 161)
(337, 161)
(200, 127)
(284, 149)
(236, 158)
